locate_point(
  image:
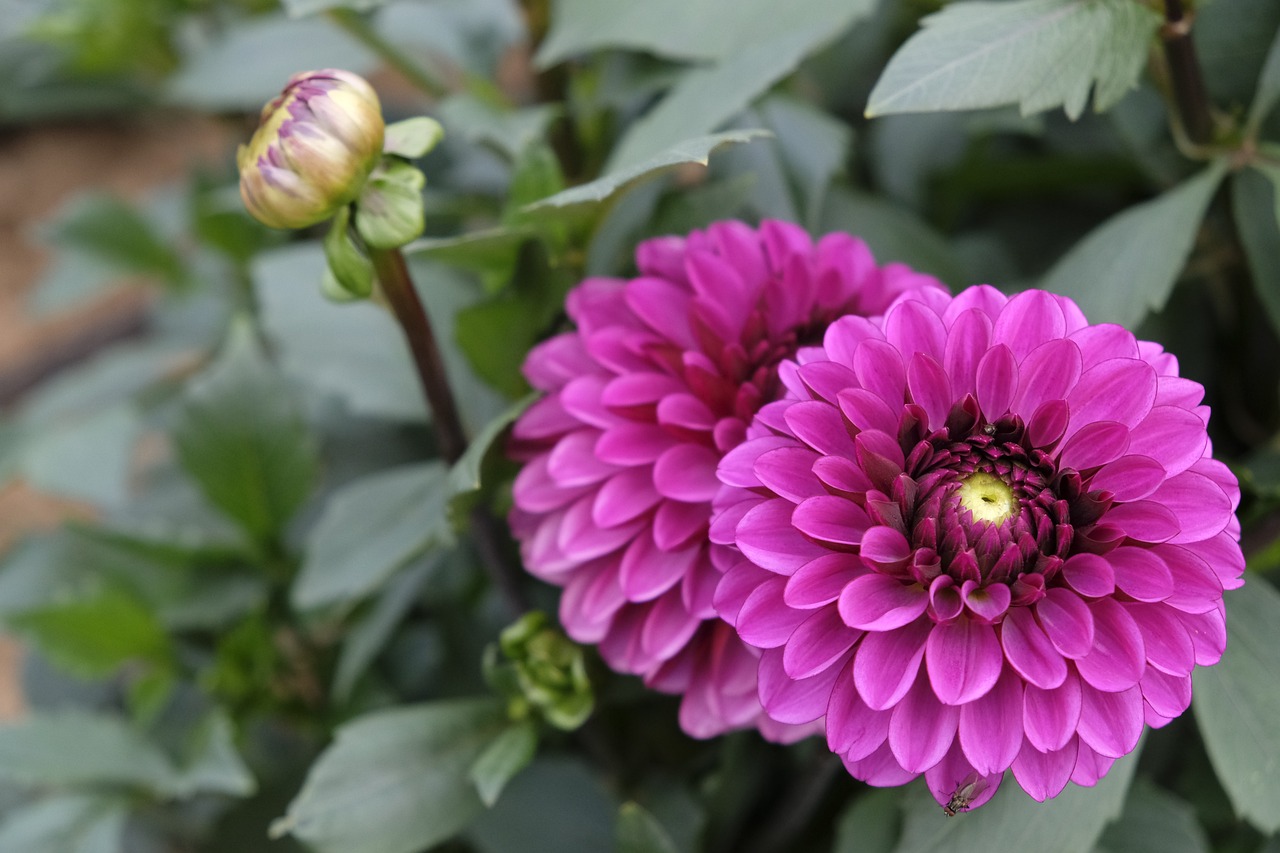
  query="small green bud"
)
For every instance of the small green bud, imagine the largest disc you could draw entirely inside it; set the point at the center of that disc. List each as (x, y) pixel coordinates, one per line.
(544, 672)
(313, 150)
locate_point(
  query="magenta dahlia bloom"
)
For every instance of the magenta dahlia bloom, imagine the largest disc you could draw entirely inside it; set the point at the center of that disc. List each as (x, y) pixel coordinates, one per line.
(980, 534)
(657, 383)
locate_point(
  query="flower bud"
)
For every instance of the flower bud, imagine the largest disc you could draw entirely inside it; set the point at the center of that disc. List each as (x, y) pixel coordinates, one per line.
(315, 145)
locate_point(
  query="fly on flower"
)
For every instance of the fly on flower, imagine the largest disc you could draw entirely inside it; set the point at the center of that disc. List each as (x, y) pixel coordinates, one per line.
(964, 794)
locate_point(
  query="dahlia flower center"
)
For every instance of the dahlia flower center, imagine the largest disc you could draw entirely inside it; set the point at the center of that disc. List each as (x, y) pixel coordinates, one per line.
(987, 497)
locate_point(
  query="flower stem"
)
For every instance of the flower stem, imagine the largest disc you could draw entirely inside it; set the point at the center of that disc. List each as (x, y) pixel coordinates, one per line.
(398, 288)
(358, 28)
(1184, 70)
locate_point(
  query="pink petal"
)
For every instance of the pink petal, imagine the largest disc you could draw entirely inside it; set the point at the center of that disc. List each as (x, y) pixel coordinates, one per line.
(817, 643)
(831, 519)
(632, 443)
(788, 473)
(1171, 435)
(1050, 717)
(1067, 621)
(922, 728)
(990, 727)
(996, 381)
(639, 391)
(1048, 372)
(1167, 643)
(573, 461)
(853, 729)
(1202, 508)
(930, 388)
(790, 700)
(579, 538)
(867, 411)
(766, 536)
(884, 546)
(819, 582)
(1118, 657)
(953, 772)
(1168, 695)
(886, 662)
(821, 426)
(1029, 650)
(625, 496)
(1118, 389)
(1141, 573)
(913, 327)
(879, 368)
(676, 523)
(647, 571)
(663, 307)
(826, 379)
(668, 627)
(1105, 341)
(1027, 321)
(687, 472)
(764, 621)
(1129, 478)
(967, 342)
(963, 660)
(1196, 588)
(1048, 423)
(1208, 634)
(1089, 575)
(987, 603)
(1145, 521)
(1110, 723)
(1043, 775)
(685, 414)
(876, 602)
(1090, 767)
(879, 769)
(1095, 445)
(843, 337)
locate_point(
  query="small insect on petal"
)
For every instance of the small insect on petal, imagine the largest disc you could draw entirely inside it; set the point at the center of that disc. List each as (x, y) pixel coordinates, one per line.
(964, 794)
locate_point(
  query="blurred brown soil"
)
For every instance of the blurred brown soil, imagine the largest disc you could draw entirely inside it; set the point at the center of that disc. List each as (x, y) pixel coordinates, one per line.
(40, 168)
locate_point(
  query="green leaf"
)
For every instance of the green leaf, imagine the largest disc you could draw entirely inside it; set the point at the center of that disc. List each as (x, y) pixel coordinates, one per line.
(706, 29)
(509, 753)
(77, 748)
(370, 634)
(893, 233)
(531, 816)
(697, 150)
(1268, 92)
(1127, 266)
(1237, 703)
(813, 145)
(213, 764)
(491, 252)
(640, 832)
(88, 458)
(1154, 821)
(69, 823)
(412, 137)
(389, 209)
(348, 264)
(371, 372)
(110, 229)
(507, 131)
(302, 8)
(395, 781)
(1253, 199)
(871, 824)
(1069, 823)
(465, 480)
(1038, 54)
(705, 98)
(92, 637)
(370, 528)
(240, 434)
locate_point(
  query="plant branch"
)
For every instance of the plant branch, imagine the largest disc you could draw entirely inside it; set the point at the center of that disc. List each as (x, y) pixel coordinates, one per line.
(398, 289)
(1189, 91)
(358, 28)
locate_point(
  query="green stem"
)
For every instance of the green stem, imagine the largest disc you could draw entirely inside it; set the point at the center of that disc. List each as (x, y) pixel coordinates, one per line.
(1184, 71)
(398, 288)
(358, 27)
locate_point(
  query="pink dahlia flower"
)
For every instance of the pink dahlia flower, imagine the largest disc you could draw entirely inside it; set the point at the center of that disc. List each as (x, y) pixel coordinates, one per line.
(657, 383)
(984, 534)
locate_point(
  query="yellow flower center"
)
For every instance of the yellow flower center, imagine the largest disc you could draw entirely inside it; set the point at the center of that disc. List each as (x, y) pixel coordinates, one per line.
(987, 497)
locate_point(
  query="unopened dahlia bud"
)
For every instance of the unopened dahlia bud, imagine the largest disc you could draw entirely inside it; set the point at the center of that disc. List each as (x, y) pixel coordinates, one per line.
(543, 671)
(315, 145)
